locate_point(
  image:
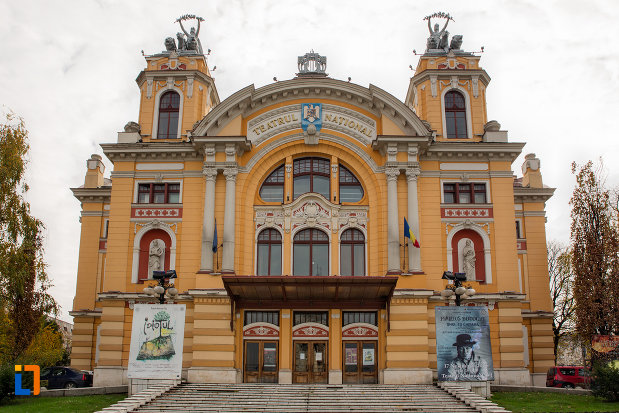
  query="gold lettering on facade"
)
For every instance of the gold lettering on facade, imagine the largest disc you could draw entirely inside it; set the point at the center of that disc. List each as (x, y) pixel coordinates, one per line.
(328, 117)
(282, 120)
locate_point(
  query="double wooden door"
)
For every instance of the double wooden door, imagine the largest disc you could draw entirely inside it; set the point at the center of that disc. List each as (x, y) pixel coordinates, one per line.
(360, 362)
(261, 362)
(310, 362)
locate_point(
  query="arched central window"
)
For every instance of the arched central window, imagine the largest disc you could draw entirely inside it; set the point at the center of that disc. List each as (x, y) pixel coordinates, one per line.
(311, 175)
(167, 127)
(352, 253)
(269, 253)
(455, 115)
(272, 189)
(311, 253)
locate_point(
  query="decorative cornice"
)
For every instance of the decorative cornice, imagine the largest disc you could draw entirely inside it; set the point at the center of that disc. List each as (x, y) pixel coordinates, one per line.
(86, 313)
(526, 194)
(96, 195)
(152, 151)
(473, 151)
(153, 75)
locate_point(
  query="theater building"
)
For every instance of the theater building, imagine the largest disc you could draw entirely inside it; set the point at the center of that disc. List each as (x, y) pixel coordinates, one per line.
(303, 186)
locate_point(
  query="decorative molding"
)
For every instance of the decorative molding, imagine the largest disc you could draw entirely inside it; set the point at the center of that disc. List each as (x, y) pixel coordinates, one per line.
(413, 173)
(152, 212)
(230, 173)
(310, 331)
(261, 331)
(392, 173)
(466, 212)
(358, 331)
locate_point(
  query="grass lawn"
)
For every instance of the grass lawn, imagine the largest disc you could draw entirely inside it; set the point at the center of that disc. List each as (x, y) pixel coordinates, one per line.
(551, 402)
(61, 404)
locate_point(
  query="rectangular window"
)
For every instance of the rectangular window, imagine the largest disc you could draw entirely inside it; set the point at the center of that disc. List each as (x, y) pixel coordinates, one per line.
(464, 193)
(319, 317)
(518, 230)
(271, 317)
(367, 317)
(106, 225)
(164, 193)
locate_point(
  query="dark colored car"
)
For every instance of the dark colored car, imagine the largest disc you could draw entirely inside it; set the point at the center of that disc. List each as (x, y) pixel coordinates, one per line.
(65, 378)
(568, 377)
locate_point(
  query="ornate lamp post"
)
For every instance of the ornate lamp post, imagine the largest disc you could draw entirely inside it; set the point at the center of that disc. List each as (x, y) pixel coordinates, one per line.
(163, 287)
(456, 288)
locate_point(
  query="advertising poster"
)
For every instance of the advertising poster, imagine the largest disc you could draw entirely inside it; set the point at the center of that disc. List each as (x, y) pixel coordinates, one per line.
(157, 334)
(463, 349)
(368, 356)
(606, 347)
(351, 356)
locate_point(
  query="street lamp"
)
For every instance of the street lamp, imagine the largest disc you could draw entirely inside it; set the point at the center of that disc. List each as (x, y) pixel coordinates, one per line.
(163, 288)
(456, 288)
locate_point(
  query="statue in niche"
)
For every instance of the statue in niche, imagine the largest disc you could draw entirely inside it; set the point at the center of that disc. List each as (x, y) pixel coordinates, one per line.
(468, 260)
(156, 257)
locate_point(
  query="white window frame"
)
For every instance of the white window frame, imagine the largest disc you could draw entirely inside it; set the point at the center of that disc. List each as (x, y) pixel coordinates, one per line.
(467, 102)
(156, 111)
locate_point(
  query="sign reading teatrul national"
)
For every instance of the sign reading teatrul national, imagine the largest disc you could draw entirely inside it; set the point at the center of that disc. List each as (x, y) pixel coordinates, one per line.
(157, 334)
(463, 350)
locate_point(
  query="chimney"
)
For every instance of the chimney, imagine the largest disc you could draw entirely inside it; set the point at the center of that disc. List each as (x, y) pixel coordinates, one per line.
(94, 174)
(531, 175)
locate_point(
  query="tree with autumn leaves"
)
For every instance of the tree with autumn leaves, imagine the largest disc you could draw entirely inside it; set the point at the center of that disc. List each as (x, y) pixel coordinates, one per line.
(595, 254)
(25, 303)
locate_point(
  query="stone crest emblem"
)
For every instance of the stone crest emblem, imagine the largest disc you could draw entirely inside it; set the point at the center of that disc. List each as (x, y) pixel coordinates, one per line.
(311, 121)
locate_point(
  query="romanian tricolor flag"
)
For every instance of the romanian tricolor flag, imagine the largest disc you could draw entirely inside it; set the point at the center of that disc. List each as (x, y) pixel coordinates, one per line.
(409, 234)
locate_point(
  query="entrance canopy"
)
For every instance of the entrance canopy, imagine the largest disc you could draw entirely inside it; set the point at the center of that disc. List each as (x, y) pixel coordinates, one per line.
(275, 292)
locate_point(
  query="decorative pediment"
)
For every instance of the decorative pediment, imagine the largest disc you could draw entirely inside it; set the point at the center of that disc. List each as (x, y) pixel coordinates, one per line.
(359, 331)
(313, 211)
(261, 331)
(310, 331)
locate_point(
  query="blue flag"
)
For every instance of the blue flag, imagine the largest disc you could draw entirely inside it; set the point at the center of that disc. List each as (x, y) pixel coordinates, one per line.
(214, 248)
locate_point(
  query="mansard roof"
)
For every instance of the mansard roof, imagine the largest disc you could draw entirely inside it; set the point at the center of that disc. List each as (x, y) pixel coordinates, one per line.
(372, 99)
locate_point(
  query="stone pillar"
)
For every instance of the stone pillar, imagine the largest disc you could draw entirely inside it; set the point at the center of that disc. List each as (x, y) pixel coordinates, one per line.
(393, 242)
(208, 225)
(230, 208)
(414, 254)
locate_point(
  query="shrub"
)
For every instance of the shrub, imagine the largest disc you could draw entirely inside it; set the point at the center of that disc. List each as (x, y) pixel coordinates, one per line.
(606, 381)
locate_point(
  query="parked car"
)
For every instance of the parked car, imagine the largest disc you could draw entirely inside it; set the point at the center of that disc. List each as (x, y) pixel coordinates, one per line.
(65, 378)
(568, 377)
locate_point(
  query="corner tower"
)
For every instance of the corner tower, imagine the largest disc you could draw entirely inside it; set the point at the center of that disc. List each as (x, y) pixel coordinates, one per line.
(176, 87)
(449, 87)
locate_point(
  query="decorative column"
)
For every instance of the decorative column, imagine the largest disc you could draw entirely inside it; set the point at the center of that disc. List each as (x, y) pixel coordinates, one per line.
(208, 224)
(414, 254)
(230, 208)
(393, 242)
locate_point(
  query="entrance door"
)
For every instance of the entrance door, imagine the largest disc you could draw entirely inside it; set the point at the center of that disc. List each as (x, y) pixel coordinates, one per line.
(360, 364)
(310, 362)
(260, 362)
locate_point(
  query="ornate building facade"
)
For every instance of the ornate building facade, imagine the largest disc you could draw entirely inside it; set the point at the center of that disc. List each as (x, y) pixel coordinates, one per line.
(301, 188)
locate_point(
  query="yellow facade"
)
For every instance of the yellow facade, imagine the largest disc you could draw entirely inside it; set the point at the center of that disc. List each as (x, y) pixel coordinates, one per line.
(210, 167)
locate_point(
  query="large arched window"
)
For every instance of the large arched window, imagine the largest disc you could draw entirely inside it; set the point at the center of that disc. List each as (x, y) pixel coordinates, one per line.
(350, 187)
(269, 253)
(311, 253)
(352, 253)
(455, 115)
(311, 175)
(272, 189)
(168, 115)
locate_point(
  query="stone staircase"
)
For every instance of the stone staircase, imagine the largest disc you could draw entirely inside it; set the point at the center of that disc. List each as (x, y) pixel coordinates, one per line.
(196, 397)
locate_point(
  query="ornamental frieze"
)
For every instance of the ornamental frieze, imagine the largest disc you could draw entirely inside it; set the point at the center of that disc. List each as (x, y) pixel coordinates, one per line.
(310, 210)
(148, 212)
(467, 212)
(333, 117)
(359, 330)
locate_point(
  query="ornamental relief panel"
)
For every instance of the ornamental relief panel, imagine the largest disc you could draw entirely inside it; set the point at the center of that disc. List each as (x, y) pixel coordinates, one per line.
(359, 331)
(261, 331)
(311, 211)
(310, 331)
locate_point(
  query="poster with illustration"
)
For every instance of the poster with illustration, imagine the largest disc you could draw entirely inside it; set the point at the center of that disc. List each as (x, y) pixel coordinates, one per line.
(463, 349)
(157, 334)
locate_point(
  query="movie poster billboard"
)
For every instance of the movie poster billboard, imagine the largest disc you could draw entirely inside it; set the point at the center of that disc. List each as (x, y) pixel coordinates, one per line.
(463, 350)
(157, 334)
(606, 347)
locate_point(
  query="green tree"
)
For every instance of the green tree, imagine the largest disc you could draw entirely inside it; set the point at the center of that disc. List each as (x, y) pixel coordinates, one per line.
(561, 280)
(161, 316)
(24, 284)
(595, 254)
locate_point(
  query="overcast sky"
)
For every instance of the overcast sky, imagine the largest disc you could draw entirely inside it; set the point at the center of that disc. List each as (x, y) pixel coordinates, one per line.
(69, 68)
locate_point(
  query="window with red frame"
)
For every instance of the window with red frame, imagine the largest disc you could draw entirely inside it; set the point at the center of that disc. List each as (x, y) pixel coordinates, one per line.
(272, 189)
(269, 252)
(161, 193)
(455, 115)
(464, 193)
(311, 253)
(167, 127)
(311, 175)
(352, 253)
(350, 187)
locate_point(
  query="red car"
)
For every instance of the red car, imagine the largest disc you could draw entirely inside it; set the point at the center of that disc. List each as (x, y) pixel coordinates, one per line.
(567, 377)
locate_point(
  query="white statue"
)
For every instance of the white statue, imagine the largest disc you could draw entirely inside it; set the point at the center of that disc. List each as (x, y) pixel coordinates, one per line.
(156, 257)
(468, 260)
